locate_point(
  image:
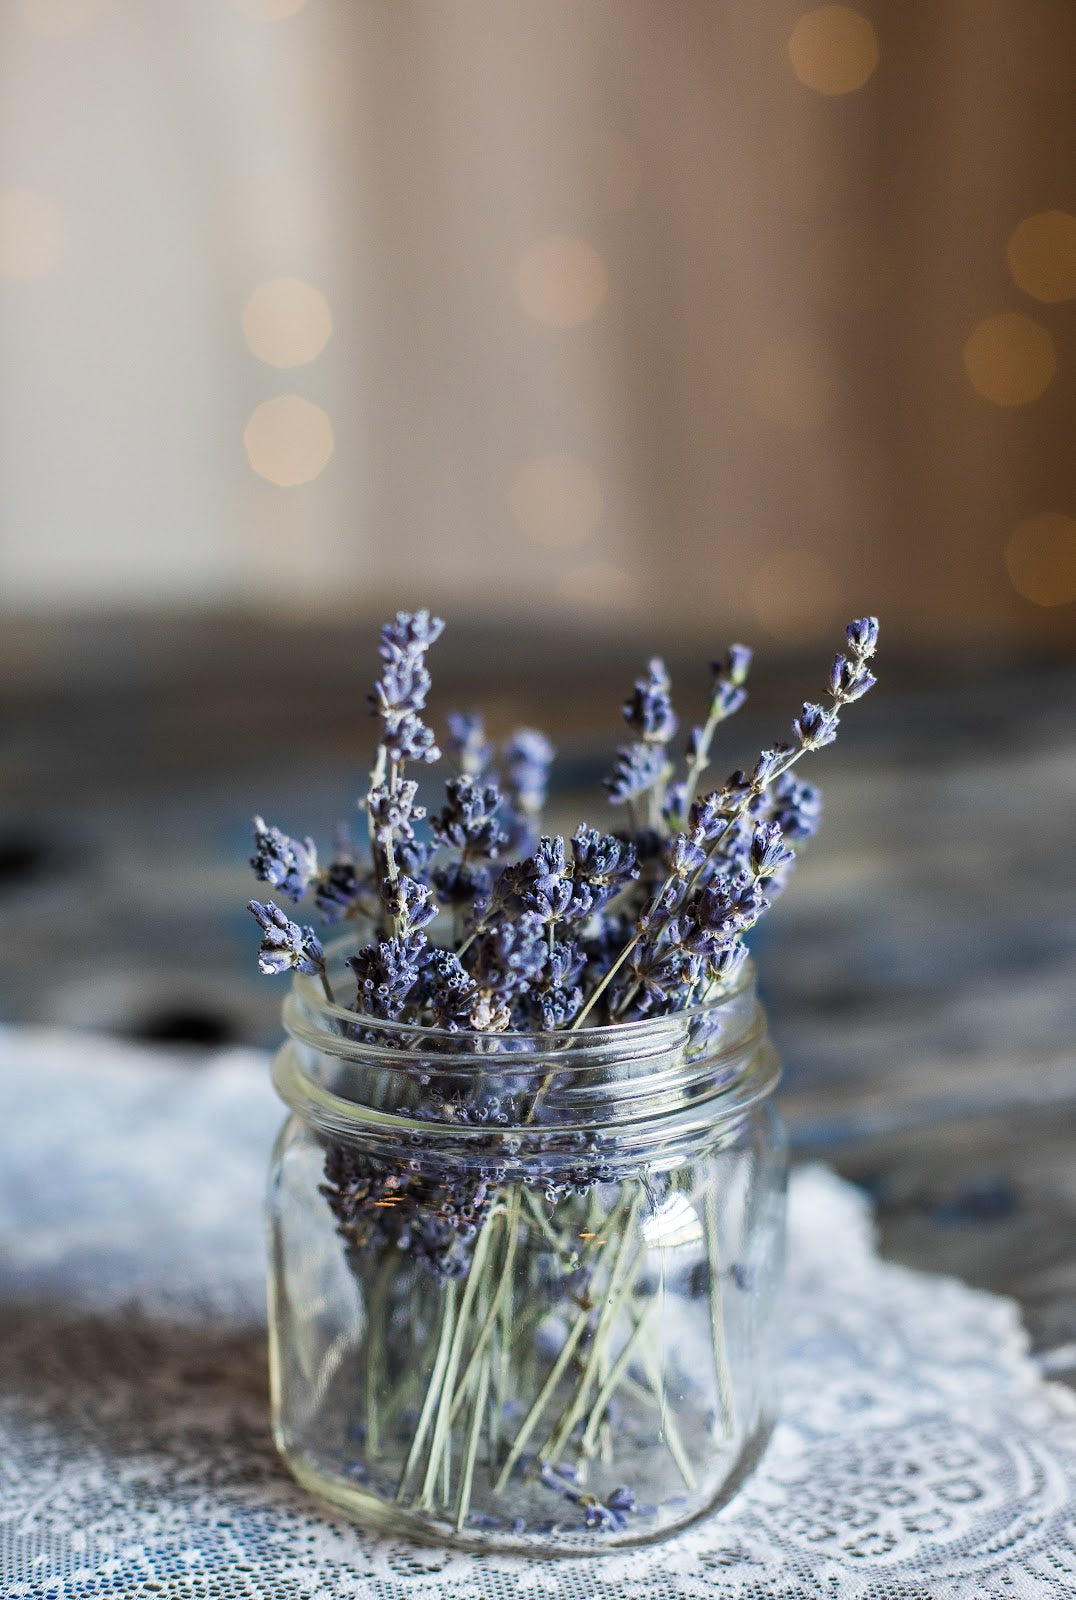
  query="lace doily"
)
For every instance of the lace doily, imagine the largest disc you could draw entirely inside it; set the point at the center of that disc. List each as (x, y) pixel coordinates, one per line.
(920, 1456)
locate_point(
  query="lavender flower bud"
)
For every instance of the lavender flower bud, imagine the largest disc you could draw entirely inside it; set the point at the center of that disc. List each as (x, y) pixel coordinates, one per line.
(408, 903)
(508, 958)
(544, 885)
(848, 682)
(467, 821)
(768, 763)
(637, 768)
(400, 692)
(556, 1006)
(392, 811)
(604, 862)
(734, 665)
(410, 633)
(450, 992)
(285, 946)
(815, 726)
(862, 636)
(462, 883)
(727, 699)
(649, 713)
(750, 903)
(412, 856)
(797, 807)
(726, 960)
(336, 889)
(386, 974)
(768, 853)
(528, 757)
(467, 742)
(706, 819)
(685, 856)
(288, 864)
(410, 740)
(716, 915)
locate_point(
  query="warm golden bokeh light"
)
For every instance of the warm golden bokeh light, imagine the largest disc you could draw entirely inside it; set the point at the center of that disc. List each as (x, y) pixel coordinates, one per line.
(793, 382)
(287, 322)
(795, 594)
(833, 49)
(599, 586)
(1009, 359)
(53, 18)
(270, 10)
(557, 500)
(288, 440)
(1042, 255)
(561, 281)
(32, 234)
(1041, 559)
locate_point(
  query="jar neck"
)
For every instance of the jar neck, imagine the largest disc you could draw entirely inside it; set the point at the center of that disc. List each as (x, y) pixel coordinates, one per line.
(627, 1091)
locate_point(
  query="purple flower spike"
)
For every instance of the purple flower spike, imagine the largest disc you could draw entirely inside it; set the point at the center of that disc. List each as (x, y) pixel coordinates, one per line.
(289, 865)
(648, 712)
(528, 756)
(285, 947)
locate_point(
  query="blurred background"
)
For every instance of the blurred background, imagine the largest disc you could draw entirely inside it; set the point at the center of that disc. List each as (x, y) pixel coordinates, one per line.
(604, 328)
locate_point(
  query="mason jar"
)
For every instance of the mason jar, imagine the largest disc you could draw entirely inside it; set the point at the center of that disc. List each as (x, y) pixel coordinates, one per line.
(523, 1288)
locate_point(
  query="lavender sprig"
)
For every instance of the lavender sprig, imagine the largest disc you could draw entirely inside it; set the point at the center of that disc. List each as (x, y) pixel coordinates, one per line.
(289, 865)
(643, 919)
(717, 823)
(286, 947)
(642, 766)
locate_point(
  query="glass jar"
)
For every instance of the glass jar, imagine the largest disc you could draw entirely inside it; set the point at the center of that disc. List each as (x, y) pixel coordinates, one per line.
(523, 1288)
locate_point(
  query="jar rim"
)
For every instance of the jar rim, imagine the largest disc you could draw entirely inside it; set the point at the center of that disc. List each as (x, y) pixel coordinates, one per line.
(653, 1079)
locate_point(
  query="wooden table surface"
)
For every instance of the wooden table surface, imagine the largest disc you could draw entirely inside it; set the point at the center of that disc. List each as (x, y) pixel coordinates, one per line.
(919, 973)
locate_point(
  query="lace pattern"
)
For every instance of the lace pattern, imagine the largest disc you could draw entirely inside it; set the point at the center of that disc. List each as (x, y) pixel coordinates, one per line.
(920, 1456)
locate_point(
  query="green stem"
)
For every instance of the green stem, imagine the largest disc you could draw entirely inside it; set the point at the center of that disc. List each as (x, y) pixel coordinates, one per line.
(486, 1330)
(621, 1280)
(374, 1353)
(588, 1443)
(669, 1429)
(463, 1499)
(717, 1317)
(534, 1415)
(447, 1383)
(433, 1388)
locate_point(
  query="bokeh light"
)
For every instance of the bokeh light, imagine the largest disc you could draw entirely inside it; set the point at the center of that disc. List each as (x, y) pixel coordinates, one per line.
(793, 382)
(557, 500)
(287, 322)
(32, 234)
(833, 49)
(561, 281)
(288, 440)
(1009, 359)
(1040, 557)
(1042, 255)
(795, 593)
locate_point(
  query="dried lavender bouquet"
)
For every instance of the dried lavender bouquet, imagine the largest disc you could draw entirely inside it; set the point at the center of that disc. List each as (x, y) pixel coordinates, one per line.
(480, 943)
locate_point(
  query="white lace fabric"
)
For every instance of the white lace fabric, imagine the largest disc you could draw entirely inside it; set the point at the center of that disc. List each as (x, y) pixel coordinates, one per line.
(920, 1455)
